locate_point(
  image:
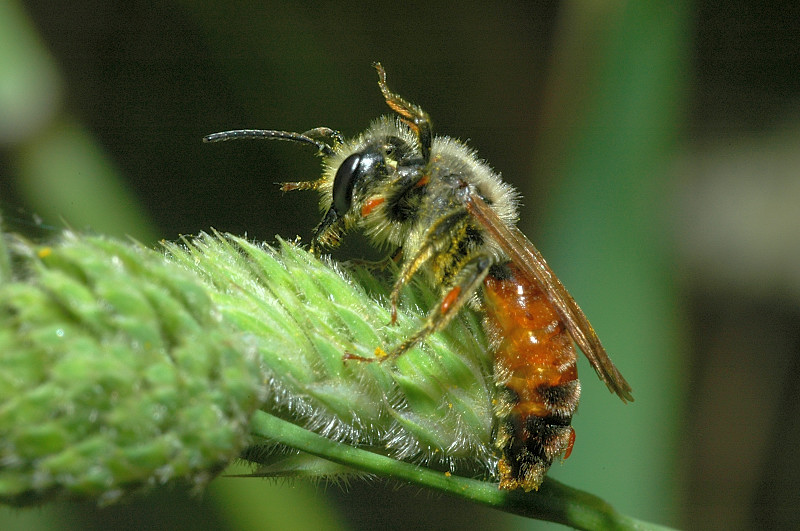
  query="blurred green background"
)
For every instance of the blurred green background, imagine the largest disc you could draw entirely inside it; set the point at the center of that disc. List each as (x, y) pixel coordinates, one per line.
(655, 145)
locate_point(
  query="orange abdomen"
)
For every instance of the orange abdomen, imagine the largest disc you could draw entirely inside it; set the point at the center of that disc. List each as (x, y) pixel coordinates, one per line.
(534, 360)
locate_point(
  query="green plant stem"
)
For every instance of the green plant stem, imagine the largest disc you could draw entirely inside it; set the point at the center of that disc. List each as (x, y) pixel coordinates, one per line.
(554, 502)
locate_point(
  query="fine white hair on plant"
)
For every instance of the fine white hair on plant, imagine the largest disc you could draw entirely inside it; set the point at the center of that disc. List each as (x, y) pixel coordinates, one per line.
(433, 406)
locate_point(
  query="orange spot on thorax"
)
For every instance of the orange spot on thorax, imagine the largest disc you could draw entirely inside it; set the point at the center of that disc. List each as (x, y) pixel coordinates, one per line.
(370, 205)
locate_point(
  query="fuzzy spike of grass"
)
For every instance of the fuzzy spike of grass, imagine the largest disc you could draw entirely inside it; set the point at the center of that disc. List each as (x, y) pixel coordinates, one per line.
(433, 406)
(115, 374)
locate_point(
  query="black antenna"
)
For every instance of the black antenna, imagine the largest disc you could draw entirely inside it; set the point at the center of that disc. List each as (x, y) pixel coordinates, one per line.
(263, 134)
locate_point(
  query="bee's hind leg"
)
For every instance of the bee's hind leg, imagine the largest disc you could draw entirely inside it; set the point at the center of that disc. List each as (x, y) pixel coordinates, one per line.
(475, 270)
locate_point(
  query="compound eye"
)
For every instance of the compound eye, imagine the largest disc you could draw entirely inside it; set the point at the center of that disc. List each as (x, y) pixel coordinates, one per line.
(343, 184)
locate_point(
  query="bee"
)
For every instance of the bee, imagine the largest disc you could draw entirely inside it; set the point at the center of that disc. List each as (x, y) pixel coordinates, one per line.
(453, 220)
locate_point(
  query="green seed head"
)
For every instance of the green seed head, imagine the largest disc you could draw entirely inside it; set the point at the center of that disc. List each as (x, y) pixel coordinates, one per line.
(116, 373)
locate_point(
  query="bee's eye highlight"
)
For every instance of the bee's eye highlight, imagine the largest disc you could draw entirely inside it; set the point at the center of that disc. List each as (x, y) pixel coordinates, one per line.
(343, 183)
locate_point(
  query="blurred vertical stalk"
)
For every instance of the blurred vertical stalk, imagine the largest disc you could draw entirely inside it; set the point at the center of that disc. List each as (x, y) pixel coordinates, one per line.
(612, 113)
(65, 175)
(5, 258)
(58, 167)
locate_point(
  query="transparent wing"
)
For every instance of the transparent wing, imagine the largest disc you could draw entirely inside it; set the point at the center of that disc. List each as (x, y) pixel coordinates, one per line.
(531, 262)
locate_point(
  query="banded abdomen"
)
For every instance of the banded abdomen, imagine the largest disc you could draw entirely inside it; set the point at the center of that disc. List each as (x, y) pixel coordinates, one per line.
(534, 361)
